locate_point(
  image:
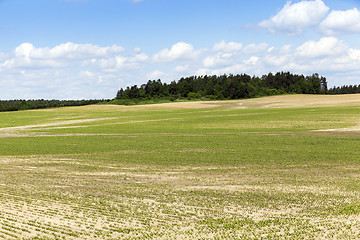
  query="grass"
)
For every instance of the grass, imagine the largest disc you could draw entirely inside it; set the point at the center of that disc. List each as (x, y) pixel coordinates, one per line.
(166, 172)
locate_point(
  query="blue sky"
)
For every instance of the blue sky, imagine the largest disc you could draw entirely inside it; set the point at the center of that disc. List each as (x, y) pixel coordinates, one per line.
(74, 49)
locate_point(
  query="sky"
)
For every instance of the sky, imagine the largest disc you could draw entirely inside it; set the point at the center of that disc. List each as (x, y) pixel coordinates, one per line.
(89, 49)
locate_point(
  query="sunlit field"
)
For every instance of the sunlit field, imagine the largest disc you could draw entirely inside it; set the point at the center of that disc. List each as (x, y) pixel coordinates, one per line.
(274, 167)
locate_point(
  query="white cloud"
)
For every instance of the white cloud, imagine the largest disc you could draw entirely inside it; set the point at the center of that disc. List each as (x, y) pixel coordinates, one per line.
(234, 68)
(276, 57)
(181, 68)
(140, 57)
(88, 71)
(202, 72)
(328, 56)
(180, 50)
(222, 55)
(87, 74)
(72, 50)
(24, 50)
(341, 22)
(211, 61)
(252, 60)
(354, 54)
(27, 55)
(327, 46)
(79, 70)
(276, 60)
(218, 60)
(155, 75)
(227, 47)
(119, 61)
(294, 18)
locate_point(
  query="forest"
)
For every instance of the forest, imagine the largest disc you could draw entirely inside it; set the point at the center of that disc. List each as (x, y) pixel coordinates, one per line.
(227, 87)
(238, 86)
(346, 89)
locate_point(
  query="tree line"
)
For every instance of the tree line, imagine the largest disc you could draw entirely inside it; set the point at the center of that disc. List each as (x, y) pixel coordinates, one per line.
(346, 89)
(202, 87)
(15, 105)
(227, 87)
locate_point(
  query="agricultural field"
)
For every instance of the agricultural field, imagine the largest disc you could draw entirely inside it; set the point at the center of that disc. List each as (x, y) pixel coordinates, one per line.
(266, 168)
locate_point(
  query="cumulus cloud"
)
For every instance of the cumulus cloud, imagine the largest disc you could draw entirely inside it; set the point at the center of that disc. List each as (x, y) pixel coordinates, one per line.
(354, 54)
(202, 72)
(180, 50)
(181, 68)
(68, 51)
(327, 46)
(252, 60)
(223, 54)
(328, 56)
(79, 70)
(219, 59)
(27, 55)
(72, 70)
(278, 57)
(294, 18)
(341, 22)
(24, 50)
(227, 47)
(155, 74)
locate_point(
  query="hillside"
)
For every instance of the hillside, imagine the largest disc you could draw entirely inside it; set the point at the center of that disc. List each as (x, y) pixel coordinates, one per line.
(273, 167)
(295, 100)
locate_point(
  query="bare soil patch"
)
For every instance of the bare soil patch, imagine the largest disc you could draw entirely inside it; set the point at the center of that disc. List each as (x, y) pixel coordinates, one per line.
(300, 100)
(20, 131)
(67, 122)
(349, 129)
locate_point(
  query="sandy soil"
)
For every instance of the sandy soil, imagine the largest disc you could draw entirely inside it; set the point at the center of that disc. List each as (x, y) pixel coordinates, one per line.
(303, 101)
(59, 123)
(349, 129)
(263, 102)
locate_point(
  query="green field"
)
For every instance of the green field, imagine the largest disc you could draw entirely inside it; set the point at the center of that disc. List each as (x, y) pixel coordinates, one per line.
(257, 169)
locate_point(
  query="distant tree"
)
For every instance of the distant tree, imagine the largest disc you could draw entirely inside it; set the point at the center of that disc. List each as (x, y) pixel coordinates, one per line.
(21, 104)
(346, 89)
